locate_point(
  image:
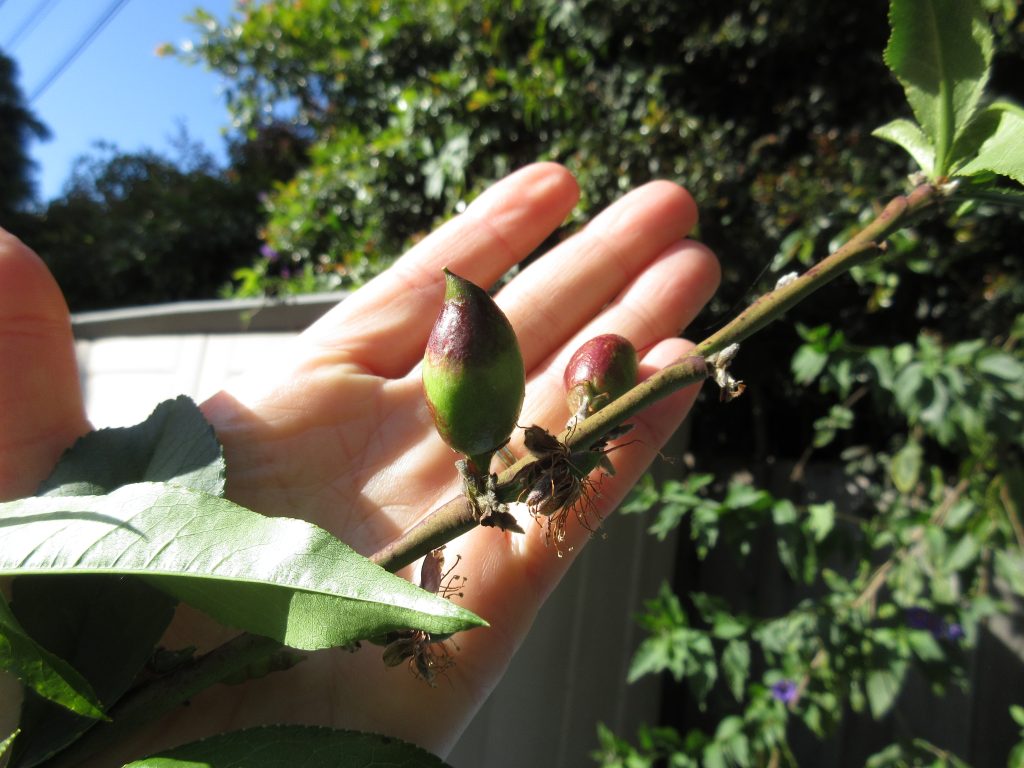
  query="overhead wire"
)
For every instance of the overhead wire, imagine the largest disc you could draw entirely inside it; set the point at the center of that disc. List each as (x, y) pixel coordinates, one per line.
(108, 15)
(30, 22)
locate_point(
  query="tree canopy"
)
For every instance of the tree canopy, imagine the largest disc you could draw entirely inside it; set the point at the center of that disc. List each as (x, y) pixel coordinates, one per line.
(18, 127)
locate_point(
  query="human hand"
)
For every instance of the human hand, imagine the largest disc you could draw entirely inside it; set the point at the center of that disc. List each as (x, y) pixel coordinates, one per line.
(339, 433)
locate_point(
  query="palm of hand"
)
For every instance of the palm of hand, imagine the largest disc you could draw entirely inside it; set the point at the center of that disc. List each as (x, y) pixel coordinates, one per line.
(339, 434)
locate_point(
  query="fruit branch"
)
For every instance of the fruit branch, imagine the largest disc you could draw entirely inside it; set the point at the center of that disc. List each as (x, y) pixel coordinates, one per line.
(457, 516)
(460, 515)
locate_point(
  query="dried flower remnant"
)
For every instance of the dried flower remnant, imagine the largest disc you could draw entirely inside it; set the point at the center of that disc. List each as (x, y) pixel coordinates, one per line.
(427, 655)
(558, 485)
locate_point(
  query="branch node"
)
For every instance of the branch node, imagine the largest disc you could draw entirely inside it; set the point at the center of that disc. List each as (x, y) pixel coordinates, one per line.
(731, 388)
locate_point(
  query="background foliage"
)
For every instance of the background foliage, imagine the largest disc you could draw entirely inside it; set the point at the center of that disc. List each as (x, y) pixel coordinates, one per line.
(18, 127)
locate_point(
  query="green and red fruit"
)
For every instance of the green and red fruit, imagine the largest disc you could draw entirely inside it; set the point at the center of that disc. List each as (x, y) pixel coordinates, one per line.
(473, 374)
(603, 369)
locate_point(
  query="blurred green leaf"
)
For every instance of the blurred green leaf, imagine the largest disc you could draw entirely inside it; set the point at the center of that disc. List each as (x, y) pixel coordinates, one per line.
(905, 466)
(882, 687)
(736, 667)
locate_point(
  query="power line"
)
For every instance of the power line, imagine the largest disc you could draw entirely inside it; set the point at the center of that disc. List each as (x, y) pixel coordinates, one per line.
(108, 15)
(29, 23)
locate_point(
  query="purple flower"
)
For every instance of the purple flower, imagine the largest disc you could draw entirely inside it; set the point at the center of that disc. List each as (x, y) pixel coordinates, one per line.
(921, 618)
(952, 631)
(268, 253)
(784, 691)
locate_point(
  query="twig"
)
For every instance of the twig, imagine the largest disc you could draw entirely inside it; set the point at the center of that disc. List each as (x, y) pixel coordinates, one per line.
(451, 519)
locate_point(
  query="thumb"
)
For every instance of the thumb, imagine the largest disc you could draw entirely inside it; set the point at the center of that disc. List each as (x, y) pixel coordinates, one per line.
(41, 409)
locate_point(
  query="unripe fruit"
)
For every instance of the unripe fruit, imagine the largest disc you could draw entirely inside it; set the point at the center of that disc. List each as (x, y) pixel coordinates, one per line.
(473, 374)
(600, 371)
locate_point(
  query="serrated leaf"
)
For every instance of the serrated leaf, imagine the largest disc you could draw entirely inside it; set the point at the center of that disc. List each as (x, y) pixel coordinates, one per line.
(940, 50)
(1002, 150)
(286, 746)
(910, 137)
(175, 444)
(49, 676)
(285, 579)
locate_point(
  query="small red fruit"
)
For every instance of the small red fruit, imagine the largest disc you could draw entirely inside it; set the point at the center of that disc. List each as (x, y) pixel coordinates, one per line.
(603, 369)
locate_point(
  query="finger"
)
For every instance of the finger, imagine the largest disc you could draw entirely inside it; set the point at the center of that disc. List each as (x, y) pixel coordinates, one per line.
(384, 325)
(41, 411)
(557, 294)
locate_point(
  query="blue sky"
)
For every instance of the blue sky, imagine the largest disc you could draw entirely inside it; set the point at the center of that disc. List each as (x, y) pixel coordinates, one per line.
(117, 90)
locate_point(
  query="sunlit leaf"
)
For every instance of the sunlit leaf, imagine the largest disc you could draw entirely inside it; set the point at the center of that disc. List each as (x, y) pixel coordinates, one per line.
(940, 50)
(909, 135)
(175, 444)
(282, 578)
(1002, 150)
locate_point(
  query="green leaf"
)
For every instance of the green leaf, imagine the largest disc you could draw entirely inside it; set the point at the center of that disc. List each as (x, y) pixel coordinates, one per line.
(1002, 150)
(1001, 365)
(905, 466)
(642, 498)
(821, 520)
(941, 51)
(175, 444)
(78, 629)
(808, 363)
(1010, 566)
(736, 667)
(908, 135)
(285, 746)
(285, 579)
(883, 686)
(49, 676)
(1017, 713)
